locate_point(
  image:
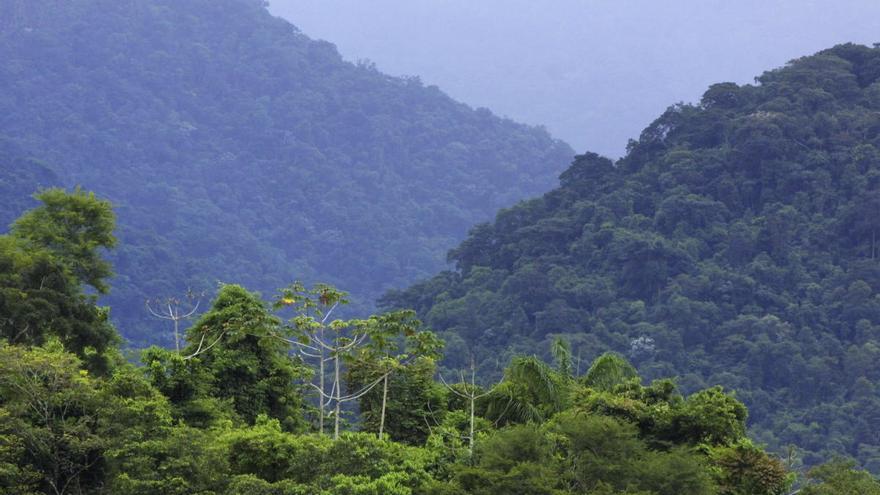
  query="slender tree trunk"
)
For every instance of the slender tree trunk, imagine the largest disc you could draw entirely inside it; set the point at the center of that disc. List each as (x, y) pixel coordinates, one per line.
(473, 394)
(176, 337)
(338, 399)
(321, 385)
(384, 402)
(471, 436)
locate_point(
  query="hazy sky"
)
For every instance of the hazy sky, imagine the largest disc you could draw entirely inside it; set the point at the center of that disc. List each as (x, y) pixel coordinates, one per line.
(593, 72)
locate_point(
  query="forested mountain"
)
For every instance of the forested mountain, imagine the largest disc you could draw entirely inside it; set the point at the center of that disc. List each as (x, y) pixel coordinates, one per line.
(19, 178)
(236, 148)
(737, 243)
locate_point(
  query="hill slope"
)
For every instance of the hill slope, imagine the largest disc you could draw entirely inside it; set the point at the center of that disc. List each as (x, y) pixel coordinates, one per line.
(19, 178)
(738, 242)
(236, 148)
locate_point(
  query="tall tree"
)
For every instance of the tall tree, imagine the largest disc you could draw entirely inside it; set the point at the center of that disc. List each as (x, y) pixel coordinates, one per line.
(75, 227)
(235, 349)
(402, 355)
(318, 337)
(52, 251)
(175, 310)
(471, 393)
(531, 392)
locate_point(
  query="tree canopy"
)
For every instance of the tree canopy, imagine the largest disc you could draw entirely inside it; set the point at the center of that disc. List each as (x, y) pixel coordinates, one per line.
(737, 243)
(54, 251)
(235, 412)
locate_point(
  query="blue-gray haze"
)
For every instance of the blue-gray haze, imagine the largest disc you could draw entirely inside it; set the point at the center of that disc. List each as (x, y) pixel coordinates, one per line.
(594, 72)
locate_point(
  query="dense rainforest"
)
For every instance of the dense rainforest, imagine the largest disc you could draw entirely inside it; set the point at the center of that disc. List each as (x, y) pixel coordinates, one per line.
(712, 294)
(217, 129)
(245, 406)
(737, 244)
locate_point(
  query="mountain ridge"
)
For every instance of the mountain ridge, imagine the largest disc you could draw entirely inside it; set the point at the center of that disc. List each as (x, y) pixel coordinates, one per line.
(736, 243)
(217, 129)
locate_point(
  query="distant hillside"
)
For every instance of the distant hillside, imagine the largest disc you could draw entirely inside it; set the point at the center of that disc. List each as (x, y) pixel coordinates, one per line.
(738, 242)
(19, 178)
(235, 148)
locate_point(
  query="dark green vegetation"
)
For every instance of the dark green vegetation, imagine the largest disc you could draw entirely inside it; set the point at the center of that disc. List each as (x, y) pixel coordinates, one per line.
(19, 178)
(51, 253)
(219, 130)
(232, 412)
(737, 243)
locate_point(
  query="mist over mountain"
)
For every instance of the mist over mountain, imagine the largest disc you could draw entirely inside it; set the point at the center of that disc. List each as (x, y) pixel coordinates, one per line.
(236, 148)
(737, 243)
(592, 71)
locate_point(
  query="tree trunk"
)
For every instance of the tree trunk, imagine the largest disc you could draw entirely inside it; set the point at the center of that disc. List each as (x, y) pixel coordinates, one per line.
(473, 394)
(176, 337)
(338, 398)
(321, 395)
(384, 402)
(471, 436)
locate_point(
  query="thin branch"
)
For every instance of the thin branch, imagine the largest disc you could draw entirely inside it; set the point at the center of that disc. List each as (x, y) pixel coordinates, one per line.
(294, 342)
(199, 350)
(357, 395)
(19, 334)
(456, 392)
(329, 312)
(304, 353)
(156, 314)
(196, 308)
(364, 390)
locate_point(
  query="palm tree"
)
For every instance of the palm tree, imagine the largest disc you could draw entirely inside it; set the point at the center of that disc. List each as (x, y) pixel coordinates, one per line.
(532, 391)
(608, 371)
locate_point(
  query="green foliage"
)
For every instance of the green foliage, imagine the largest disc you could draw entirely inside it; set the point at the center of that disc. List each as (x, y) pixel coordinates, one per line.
(414, 401)
(578, 453)
(235, 354)
(269, 453)
(608, 371)
(50, 406)
(181, 460)
(118, 435)
(187, 385)
(74, 227)
(16, 476)
(735, 244)
(710, 416)
(561, 351)
(225, 416)
(249, 484)
(53, 250)
(517, 460)
(401, 356)
(356, 463)
(841, 478)
(744, 469)
(531, 391)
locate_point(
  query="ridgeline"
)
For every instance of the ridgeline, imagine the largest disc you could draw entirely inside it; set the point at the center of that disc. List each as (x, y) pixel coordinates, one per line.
(217, 129)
